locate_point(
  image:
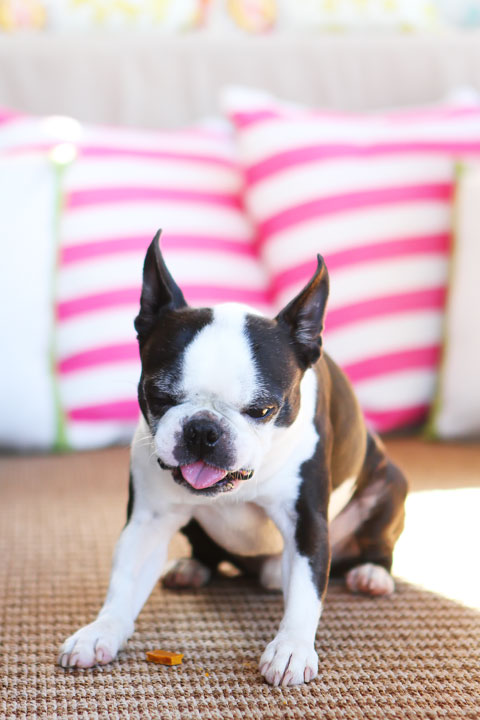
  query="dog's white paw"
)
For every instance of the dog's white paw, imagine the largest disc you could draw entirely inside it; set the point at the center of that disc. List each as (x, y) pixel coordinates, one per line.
(286, 662)
(94, 644)
(370, 579)
(186, 573)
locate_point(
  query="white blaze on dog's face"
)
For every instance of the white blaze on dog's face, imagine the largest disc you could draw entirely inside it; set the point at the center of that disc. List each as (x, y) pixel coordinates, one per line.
(218, 383)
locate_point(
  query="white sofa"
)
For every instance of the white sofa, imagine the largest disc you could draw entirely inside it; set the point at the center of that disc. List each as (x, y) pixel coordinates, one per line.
(152, 81)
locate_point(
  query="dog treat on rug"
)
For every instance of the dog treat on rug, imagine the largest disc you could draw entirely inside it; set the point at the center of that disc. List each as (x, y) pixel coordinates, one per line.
(164, 657)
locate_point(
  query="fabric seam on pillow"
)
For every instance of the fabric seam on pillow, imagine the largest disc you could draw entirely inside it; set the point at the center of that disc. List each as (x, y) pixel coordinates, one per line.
(61, 442)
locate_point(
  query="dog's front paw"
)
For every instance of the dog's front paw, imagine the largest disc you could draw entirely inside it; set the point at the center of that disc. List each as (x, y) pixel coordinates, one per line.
(286, 662)
(94, 644)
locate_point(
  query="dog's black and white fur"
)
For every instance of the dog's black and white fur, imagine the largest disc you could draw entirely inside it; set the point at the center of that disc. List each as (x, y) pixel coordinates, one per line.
(247, 429)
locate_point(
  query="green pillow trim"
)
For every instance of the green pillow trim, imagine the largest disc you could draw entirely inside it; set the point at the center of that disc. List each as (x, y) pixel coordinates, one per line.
(60, 157)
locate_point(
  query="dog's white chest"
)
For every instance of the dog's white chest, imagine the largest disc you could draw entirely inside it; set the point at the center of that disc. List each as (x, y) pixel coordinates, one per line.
(242, 529)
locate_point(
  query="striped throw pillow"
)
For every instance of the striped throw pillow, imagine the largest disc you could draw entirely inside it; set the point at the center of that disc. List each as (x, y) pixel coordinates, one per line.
(115, 187)
(373, 194)
(122, 186)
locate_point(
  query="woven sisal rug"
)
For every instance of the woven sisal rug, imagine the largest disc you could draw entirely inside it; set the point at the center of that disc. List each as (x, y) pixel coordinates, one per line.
(415, 655)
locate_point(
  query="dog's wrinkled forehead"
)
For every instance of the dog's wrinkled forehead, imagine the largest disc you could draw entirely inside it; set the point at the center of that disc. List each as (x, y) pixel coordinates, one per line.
(166, 344)
(219, 360)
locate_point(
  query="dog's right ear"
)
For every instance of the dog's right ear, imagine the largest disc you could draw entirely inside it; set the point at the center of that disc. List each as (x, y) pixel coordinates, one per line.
(159, 290)
(303, 316)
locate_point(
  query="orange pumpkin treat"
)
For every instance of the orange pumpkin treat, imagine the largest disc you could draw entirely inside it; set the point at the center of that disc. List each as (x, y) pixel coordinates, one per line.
(164, 657)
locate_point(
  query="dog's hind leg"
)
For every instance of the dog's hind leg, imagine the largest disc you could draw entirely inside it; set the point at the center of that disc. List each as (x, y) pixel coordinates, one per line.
(270, 572)
(197, 570)
(364, 533)
(186, 573)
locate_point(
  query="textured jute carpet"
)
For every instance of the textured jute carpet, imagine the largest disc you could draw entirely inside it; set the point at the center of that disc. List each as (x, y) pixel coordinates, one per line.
(415, 655)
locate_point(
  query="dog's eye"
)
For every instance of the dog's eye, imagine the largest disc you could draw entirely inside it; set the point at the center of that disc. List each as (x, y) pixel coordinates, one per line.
(259, 413)
(162, 403)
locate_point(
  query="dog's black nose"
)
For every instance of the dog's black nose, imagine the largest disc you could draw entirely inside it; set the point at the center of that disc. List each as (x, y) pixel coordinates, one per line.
(202, 434)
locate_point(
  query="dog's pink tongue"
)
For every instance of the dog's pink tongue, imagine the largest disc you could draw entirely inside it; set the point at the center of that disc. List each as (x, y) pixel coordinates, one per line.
(200, 475)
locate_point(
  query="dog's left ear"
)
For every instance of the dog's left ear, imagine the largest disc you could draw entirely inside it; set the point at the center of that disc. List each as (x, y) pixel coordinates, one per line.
(303, 316)
(159, 290)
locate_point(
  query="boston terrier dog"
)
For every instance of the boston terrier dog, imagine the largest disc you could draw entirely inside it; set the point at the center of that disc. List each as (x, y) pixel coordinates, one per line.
(252, 442)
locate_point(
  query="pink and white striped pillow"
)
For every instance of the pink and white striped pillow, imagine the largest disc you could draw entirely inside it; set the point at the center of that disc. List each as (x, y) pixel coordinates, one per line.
(372, 193)
(122, 186)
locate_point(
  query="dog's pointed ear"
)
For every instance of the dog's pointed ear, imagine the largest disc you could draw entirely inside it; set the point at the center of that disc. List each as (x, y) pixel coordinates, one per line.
(303, 316)
(159, 290)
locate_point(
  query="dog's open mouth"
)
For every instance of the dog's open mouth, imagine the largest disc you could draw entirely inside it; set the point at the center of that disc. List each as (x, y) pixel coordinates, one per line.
(201, 476)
